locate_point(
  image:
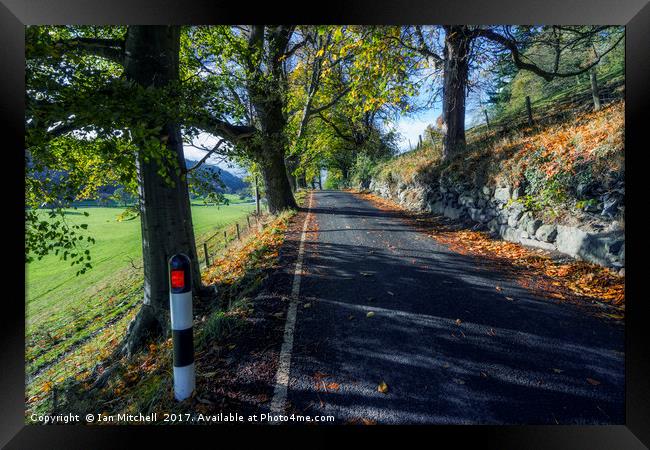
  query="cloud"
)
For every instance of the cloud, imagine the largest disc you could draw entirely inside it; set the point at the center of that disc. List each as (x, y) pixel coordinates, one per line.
(411, 127)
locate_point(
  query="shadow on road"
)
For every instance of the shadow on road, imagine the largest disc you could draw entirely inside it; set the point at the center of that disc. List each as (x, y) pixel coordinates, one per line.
(451, 346)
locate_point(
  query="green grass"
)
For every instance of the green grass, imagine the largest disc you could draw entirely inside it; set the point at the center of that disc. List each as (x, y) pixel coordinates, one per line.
(66, 313)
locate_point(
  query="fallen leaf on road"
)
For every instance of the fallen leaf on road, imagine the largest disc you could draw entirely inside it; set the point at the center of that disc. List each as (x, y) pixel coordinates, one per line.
(593, 382)
(366, 274)
(204, 401)
(558, 370)
(231, 346)
(458, 322)
(307, 305)
(484, 375)
(383, 387)
(350, 317)
(370, 314)
(498, 288)
(389, 293)
(510, 299)
(319, 375)
(332, 386)
(491, 332)
(357, 421)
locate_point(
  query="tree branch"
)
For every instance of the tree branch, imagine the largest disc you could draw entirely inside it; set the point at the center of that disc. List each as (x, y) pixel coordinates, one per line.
(205, 158)
(111, 49)
(333, 102)
(337, 131)
(218, 127)
(511, 45)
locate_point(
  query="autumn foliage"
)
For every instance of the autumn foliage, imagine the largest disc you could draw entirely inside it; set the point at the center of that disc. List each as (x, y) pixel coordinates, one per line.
(575, 281)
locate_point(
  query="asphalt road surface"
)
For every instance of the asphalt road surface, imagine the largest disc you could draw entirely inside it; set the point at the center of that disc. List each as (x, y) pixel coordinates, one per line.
(525, 361)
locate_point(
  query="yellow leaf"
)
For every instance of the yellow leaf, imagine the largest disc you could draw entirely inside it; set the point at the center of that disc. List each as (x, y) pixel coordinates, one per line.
(383, 387)
(370, 314)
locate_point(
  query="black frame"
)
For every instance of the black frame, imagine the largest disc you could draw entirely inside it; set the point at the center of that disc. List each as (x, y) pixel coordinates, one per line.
(635, 14)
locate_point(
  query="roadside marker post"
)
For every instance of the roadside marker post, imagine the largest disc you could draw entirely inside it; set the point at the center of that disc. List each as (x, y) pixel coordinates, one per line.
(180, 307)
(238, 236)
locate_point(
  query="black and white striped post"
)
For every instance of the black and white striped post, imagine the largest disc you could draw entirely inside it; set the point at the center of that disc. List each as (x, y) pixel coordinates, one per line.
(180, 307)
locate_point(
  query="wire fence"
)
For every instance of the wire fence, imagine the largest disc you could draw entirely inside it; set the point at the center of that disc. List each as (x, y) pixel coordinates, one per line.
(562, 105)
(234, 233)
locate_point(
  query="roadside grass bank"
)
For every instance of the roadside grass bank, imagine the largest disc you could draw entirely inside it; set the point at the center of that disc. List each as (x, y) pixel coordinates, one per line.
(143, 383)
(74, 321)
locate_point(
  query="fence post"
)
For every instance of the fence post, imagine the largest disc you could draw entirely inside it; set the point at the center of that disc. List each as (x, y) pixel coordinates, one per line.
(225, 239)
(248, 221)
(180, 307)
(594, 89)
(238, 237)
(205, 250)
(487, 119)
(529, 110)
(257, 197)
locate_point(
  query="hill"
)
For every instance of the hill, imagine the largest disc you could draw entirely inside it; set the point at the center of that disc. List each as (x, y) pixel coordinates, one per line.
(233, 183)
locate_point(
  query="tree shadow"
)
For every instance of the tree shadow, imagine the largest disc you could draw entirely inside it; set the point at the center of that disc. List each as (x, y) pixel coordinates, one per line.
(451, 346)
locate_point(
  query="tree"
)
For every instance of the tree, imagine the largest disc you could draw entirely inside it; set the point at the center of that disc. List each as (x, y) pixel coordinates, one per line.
(464, 44)
(349, 80)
(120, 195)
(117, 88)
(247, 66)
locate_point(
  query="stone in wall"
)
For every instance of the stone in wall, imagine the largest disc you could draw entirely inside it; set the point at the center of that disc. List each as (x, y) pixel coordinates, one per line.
(509, 219)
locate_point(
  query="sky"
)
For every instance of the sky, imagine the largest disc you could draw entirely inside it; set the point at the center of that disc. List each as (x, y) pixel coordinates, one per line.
(410, 128)
(209, 141)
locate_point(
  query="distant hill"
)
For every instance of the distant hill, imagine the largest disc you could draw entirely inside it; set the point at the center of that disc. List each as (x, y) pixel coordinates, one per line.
(233, 183)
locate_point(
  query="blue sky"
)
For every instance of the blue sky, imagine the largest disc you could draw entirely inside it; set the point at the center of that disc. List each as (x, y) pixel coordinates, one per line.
(410, 128)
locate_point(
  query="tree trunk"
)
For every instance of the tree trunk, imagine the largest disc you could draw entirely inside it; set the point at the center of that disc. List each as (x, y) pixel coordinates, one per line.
(456, 67)
(291, 166)
(278, 190)
(166, 218)
(268, 96)
(301, 181)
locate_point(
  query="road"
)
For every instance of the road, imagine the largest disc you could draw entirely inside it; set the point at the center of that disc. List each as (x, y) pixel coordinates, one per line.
(449, 346)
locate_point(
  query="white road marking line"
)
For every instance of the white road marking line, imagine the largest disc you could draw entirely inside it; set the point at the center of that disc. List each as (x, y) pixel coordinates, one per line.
(284, 365)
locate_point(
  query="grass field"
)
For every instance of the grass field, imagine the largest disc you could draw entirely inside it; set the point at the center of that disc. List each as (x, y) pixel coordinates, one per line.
(69, 316)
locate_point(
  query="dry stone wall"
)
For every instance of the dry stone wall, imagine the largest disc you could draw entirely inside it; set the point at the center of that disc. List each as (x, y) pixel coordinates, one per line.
(600, 240)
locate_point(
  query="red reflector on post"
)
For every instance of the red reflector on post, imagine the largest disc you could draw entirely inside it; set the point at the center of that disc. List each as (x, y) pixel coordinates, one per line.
(178, 279)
